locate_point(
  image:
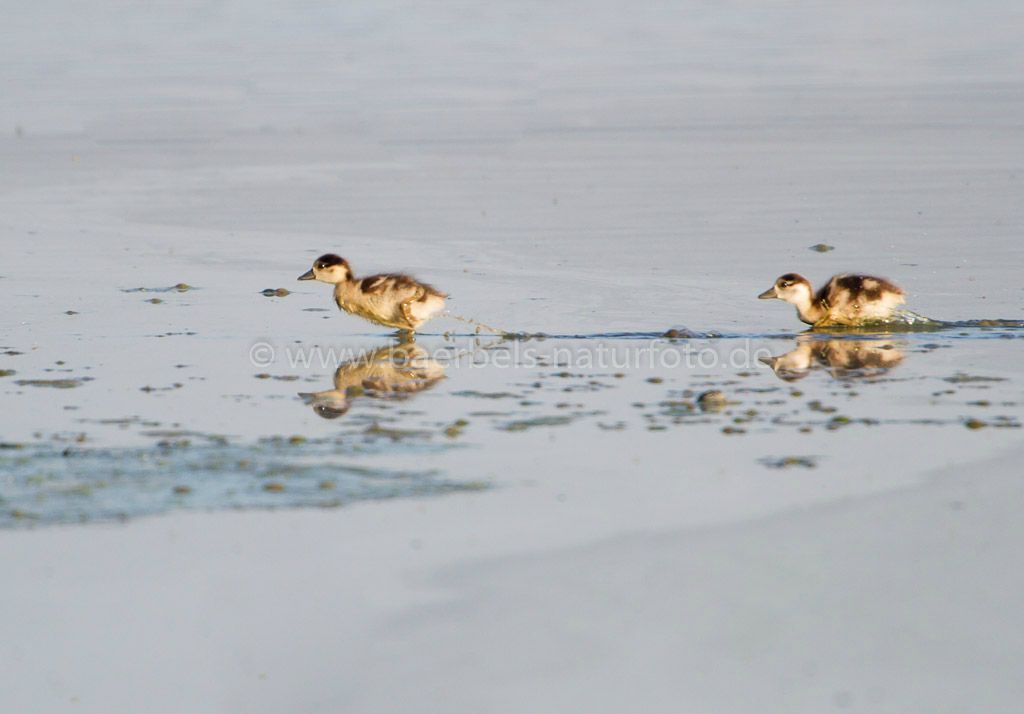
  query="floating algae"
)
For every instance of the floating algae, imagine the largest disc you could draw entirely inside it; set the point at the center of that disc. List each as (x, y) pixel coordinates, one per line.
(524, 424)
(713, 401)
(677, 333)
(44, 484)
(485, 395)
(179, 288)
(395, 434)
(455, 428)
(786, 462)
(53, 383)
(962, 378)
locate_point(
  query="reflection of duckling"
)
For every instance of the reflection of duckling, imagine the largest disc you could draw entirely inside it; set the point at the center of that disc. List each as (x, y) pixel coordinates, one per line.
(844, 358)
(393, 300)
(844, 300)
(396, 370)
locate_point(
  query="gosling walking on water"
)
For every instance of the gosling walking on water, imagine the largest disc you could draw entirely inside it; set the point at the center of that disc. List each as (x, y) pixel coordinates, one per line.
(392, 299)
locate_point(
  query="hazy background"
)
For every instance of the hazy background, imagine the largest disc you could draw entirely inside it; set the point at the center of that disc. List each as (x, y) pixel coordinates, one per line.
(690, 151)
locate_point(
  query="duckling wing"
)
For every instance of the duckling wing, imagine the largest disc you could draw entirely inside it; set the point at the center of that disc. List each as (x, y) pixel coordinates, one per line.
(376, 284)
(851, 289)
(397, 284)
(863, 287)
(391, 283)
(839, 289)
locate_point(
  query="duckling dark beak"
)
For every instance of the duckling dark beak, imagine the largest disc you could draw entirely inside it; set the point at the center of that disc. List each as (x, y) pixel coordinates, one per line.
(308, 275)
(766, 295)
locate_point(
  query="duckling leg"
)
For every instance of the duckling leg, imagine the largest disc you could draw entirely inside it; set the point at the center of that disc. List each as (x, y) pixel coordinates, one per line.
(827, 321)
(407, 311)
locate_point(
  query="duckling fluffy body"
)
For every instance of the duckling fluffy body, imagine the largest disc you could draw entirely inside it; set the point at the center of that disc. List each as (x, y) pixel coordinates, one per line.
(844, 300)
(392, 299)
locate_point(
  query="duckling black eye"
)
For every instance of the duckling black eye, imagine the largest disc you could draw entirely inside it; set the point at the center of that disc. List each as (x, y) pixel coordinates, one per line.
(784, 284)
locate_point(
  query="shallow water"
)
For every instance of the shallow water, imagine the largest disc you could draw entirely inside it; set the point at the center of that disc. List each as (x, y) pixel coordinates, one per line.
(272, 424)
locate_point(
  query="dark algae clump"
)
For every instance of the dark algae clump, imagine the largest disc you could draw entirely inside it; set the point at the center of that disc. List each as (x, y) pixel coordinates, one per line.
(52, 383)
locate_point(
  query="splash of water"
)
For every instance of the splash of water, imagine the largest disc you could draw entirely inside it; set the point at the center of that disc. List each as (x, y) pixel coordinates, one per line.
(480, 326)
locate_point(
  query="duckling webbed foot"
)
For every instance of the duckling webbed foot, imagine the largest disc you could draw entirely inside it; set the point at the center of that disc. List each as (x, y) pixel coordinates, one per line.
(407, 309)
(407, 314)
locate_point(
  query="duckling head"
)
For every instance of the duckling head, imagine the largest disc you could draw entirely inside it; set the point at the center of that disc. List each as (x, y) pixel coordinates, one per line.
(792, 288)
(328, 268)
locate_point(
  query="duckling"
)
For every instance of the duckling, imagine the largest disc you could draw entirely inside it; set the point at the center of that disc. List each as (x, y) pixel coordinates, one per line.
(844, 300)
(393, 300)
(396, 371)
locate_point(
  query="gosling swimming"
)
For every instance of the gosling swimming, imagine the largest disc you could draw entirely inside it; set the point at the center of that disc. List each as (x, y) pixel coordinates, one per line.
(393, 299)
(845, 300)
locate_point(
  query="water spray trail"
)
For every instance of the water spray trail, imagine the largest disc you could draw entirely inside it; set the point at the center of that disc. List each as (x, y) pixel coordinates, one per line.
(479, 325)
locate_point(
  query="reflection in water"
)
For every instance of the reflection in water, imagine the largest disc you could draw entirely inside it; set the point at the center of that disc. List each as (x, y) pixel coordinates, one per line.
(845, 359)
(396, 370)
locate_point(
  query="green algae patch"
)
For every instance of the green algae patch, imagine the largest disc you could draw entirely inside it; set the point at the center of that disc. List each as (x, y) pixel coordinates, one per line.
(525, 424)
(788, 462)
(395, 434)
(961, 378)
(177, 288)
(52, 483)
(681, 333)
(713, 400)
(454, 429)
(815, 405)
(53, 383)
(677, 408)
